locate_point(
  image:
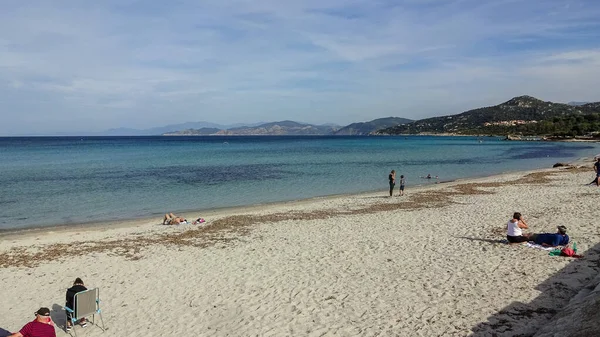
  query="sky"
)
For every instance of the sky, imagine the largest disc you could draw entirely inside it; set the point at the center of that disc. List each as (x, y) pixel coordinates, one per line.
(94, 65)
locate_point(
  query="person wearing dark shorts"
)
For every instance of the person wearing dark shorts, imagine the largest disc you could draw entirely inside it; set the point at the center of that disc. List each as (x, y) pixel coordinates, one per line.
(597, 169)
(402, 182)
(514, 229)
(392, 178)
(516, 239)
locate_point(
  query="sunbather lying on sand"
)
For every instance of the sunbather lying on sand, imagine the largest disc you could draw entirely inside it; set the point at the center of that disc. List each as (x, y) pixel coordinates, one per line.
(560, 238)
(172, 219)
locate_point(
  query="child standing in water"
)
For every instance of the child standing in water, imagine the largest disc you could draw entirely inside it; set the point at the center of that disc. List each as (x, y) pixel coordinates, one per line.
(402, 182)
(392, 178)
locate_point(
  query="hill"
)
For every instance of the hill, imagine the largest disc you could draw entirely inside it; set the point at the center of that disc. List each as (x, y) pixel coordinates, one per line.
(168, 129)
(366, 128)
(281, 128)
(292, 128)
(272, 129)
(523, 114)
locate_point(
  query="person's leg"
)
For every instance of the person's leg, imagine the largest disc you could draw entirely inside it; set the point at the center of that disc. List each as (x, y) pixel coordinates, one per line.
(68, 322)
(166, 219)
(391, 189)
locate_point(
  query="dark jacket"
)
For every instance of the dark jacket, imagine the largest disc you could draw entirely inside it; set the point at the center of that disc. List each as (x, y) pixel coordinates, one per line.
(552, 239)
(71, 294)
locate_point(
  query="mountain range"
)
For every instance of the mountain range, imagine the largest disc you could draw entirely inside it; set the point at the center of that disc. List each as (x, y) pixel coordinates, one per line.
(295, 128)
(170, 128)
(524, 114)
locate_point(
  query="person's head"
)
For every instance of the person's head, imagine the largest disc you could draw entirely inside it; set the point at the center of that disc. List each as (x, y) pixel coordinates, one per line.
(78, 281)
(562, 230)
(43, 314)
(517, 216)
(402, 176)
(393, 171)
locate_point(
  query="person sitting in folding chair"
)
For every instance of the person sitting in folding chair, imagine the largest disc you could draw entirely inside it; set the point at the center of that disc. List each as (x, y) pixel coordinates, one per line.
(77, 287)
(85, 304)
(41, 326)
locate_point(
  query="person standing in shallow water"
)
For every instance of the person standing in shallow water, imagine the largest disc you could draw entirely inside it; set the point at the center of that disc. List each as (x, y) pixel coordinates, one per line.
(402, 183)
(392, 178)
(597, 170)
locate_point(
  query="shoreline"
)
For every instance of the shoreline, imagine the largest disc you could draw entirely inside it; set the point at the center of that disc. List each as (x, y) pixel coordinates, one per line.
(225, 211)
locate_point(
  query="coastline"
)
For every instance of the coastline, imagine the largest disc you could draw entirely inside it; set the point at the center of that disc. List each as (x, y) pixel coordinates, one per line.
(425, 264)
(230, 210)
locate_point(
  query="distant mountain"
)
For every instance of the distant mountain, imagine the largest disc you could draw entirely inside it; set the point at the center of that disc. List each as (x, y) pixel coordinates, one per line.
(195, 132)
(366, 128)
(274, 128)
(573, 103)
(518, 113)
(169, 128)
(295, 128)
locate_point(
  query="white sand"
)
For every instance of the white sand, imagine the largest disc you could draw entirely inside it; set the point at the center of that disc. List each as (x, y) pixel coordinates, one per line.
(422, 271)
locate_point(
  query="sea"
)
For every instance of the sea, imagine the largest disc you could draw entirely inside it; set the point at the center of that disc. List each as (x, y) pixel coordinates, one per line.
(66, 181)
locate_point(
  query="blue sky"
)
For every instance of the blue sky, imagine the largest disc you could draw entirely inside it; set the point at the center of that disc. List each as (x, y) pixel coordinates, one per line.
(94, 65)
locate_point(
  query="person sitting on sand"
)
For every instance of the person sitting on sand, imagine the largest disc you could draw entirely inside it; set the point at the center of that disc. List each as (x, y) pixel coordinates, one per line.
(514, 229)
(77, 287)
(41, 326)
(560, 238)
(172, 219)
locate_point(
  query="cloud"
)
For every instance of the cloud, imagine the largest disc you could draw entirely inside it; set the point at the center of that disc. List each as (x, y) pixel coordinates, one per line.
(100, 65)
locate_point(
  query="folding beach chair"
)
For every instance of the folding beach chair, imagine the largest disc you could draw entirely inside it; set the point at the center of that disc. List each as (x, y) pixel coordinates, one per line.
(86, 303)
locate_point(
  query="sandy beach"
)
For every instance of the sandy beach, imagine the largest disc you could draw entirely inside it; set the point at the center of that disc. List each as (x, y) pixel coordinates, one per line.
(426, 264)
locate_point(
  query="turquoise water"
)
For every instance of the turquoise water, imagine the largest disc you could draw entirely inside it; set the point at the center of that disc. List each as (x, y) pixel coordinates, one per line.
(69, 180)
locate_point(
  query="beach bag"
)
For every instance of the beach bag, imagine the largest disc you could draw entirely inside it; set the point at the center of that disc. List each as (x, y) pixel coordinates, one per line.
(567, 251)
(570, 250)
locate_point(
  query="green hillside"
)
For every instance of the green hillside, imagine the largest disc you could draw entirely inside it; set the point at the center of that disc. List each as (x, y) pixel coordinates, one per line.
(524, 114)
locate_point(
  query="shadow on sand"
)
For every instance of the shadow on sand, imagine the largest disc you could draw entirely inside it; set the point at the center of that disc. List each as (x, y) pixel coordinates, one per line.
(502, 241)
(525, 319)
(58, 316)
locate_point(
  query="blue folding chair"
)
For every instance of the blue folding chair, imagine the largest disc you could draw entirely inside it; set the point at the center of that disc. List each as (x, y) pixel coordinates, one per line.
(85, 303)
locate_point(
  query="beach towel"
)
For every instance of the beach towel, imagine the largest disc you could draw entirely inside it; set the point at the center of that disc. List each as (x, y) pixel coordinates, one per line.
(536, 246)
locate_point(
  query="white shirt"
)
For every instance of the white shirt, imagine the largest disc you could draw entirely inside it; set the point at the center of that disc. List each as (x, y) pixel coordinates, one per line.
(513, 228)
